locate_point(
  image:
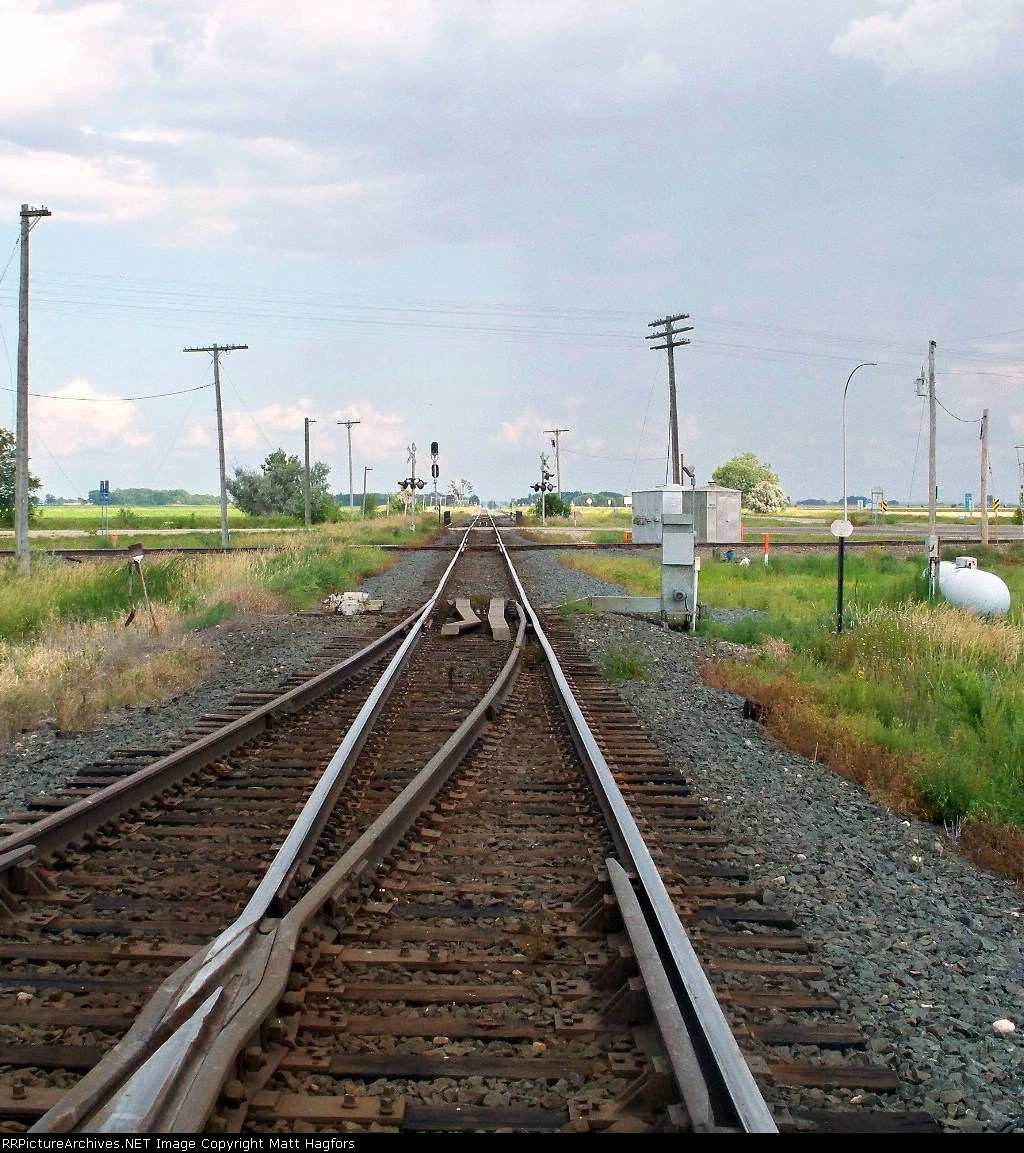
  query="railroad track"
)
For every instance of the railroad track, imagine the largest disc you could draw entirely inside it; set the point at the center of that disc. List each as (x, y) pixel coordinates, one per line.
(482, 908)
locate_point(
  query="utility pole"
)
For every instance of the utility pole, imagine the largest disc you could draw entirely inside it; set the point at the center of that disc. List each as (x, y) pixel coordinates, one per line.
(673, 415)
(984, 477)
(305, 482)
(216, 350)
(1018, 449)
(348, 424)
(558, 457)
(21, 549)
(366, 468)
(932, 480)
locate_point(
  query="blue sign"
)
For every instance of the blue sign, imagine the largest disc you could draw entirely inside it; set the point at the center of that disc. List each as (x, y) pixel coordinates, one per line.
(968, 501)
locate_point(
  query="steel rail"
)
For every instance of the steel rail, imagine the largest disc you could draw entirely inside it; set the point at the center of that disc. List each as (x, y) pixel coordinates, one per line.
(137, 1074)
(735, 1098)
(177, 1090)
(58, 829)
(209, 1011)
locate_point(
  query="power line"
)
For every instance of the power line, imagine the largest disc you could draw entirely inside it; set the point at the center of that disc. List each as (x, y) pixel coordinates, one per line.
(114, 399)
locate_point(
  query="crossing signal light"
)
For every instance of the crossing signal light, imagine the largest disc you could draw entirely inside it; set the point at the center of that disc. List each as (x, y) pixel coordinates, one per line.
(420, 483)
(435, 472)
(433, 448)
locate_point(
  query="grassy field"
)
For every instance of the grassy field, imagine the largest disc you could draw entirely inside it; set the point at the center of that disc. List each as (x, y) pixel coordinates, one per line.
(67, 653)
(916, 700)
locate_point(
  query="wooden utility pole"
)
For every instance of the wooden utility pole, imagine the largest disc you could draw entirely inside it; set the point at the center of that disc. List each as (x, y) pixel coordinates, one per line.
(932, 480)
(984, 477)
(673, 415)
(21, 494)
(305, 479)
(558, 457)
(216, 350)
(348, 424)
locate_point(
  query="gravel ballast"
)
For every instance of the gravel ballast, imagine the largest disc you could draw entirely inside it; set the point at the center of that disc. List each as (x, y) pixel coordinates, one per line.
(927, 948)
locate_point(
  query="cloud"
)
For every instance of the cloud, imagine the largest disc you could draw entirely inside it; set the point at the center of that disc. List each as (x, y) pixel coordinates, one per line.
(933, 36)
(526, 428)
(55, 58)
(79, 417)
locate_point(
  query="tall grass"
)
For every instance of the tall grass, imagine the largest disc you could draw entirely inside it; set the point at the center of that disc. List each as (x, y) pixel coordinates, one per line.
(70, 648)
(917, 700)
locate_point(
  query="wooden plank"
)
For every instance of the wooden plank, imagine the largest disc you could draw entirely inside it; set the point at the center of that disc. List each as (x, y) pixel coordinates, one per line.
(873, 1078)
(51, 1056)
(430, 1066)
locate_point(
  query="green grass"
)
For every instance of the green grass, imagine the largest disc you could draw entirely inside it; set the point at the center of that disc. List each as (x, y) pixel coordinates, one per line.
(933, 686)
(625, 663)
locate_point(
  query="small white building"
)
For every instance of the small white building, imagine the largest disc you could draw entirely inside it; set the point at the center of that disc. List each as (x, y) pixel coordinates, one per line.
(715, 511)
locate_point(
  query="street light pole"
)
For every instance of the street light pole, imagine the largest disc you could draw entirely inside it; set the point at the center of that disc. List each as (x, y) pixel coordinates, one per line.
(366, 468)
(843, 528)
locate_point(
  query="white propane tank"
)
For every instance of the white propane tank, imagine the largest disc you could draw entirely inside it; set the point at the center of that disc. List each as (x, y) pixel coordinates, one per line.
(972, 588)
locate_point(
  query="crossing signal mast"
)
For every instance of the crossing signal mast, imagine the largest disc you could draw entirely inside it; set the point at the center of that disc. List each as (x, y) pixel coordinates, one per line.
(411, 483)
(543, 486)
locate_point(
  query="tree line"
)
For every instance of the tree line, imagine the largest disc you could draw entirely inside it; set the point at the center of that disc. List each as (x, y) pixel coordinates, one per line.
(277, 488)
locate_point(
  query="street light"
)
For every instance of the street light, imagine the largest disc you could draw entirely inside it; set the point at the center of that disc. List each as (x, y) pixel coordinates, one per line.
(843, 528)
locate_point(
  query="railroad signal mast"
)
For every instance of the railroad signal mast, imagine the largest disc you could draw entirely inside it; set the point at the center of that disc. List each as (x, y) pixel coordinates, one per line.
(435, 472)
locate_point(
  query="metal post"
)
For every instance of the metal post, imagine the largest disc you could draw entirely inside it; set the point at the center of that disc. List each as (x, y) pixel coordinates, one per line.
(366, 469)
(844, 529)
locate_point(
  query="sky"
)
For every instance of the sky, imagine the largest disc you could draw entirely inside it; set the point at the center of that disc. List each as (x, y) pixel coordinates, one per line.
(457, 222)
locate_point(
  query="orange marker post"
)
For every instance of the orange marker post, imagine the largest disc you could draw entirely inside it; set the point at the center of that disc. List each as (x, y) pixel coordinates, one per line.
(765, 550)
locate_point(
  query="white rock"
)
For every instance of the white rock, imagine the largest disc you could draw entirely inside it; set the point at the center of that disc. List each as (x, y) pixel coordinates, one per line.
(1004, 1027)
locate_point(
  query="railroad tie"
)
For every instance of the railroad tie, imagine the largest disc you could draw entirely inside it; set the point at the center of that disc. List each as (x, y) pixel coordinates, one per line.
(469, 619)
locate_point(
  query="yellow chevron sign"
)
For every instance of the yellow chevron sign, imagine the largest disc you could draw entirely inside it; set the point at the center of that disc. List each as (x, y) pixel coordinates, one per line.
(995, 504)
(884, 506)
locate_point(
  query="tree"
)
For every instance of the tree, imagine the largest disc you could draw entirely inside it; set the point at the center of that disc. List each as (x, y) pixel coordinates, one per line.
(554, 505)
(8, 471)
(744, 472)
(767, 497)
(461, 490)
(277, 490)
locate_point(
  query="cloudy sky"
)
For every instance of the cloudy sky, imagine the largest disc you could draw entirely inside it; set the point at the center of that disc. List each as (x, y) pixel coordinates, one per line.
(455, 220)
